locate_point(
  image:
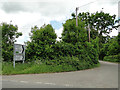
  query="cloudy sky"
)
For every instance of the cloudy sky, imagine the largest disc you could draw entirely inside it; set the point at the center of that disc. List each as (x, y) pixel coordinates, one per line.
(28, 13)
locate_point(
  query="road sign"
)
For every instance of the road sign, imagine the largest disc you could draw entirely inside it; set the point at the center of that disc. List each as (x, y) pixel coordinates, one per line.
(19, 53)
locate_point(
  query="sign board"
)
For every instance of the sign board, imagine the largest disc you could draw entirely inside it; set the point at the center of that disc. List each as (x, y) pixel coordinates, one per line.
(19, 53)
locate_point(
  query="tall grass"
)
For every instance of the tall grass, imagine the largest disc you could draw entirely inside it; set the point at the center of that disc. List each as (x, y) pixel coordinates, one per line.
(36, 68)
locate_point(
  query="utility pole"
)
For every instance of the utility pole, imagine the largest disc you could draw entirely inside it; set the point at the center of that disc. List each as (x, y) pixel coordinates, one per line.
(76, 16)
(89, 31)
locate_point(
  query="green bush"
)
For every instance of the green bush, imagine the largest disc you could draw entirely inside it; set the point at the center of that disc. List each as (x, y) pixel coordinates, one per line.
(72, 33)
(9, 34)
(42, 40)
(78, 54)
(112, 47)
(73, 61)
(112, 58)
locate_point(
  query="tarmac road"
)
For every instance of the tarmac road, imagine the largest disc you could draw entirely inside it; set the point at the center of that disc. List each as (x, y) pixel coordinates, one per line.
(105, 76)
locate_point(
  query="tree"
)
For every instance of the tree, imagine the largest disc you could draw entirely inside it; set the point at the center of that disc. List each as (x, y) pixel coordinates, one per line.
(102, 22)
(41, 42)
(72, 33)
(112, 47)
(9, 34)
(45, 34)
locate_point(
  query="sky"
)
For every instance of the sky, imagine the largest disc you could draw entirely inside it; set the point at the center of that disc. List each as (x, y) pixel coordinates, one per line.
(28, 13)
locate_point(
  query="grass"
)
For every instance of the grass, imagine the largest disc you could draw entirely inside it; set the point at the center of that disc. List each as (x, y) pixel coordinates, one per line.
(34, 68)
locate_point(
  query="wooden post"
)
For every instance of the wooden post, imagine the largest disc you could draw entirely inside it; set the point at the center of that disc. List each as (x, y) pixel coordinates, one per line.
(89, 31)
(76, 16)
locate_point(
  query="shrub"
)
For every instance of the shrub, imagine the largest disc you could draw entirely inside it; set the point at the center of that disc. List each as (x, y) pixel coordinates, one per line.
(112, 58)
(73, 61)
(72, 33)
(112, 47)
(42, 39)
(79, 53)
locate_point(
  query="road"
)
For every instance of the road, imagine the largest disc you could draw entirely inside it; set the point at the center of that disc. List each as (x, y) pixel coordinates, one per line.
(105, 76)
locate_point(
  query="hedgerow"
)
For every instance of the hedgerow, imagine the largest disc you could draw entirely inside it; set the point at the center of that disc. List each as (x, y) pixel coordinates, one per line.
(112, 58)
(80, 54)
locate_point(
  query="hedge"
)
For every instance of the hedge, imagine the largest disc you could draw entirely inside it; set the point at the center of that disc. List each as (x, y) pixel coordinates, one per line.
(112, 58)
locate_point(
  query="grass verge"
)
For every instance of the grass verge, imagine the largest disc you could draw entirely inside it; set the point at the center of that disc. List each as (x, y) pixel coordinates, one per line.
(34, 68)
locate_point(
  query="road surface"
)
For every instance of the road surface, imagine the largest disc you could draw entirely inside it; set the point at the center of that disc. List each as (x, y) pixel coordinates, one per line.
(105, 76)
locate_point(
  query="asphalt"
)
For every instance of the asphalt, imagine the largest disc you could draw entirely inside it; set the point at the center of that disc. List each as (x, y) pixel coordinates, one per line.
(105, 76)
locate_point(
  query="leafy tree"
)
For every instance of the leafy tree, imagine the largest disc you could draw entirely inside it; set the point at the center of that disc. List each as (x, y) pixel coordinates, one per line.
(42, 39)
(45, 34)
(102, 22)
(72, 33)
(103, 50)
(112, 52)
(112, 47)
(9, 34)
(93, 34)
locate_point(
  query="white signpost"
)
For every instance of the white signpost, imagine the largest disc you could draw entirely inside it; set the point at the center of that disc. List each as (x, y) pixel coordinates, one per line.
(19, 53)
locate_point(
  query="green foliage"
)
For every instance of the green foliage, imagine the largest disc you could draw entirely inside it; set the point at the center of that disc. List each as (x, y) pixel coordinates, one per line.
(119, 38)
(9, 33)
(100, 21)
(36, 68)
(64, 49)
(103, 51)
(0, 44)
(93, 50)
(80, 56)
(93, 33)
(41, 42)
(45, 35)
(73, 61)
(72, 33)
(112, 47)
(33, 68)
(101, 24)
(112, 58)
(74, 49)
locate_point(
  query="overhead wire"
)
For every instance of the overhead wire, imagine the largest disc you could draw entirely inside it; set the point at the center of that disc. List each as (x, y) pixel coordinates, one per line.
(88, 3)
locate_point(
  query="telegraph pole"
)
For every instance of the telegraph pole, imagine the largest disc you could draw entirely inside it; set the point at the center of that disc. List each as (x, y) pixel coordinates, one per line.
(89, 31)
(76, 16)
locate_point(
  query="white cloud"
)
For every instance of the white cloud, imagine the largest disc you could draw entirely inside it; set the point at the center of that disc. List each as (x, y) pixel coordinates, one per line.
(59, 32)
(28, 13)
(114, 33)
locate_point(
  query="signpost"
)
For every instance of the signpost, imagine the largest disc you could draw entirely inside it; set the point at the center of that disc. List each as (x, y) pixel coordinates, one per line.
(19, 53)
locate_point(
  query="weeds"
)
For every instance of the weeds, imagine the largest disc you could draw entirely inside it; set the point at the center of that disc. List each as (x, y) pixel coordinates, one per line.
(37, 68)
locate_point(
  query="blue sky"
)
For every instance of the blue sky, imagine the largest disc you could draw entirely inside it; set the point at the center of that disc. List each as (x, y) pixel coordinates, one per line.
(56, 25)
